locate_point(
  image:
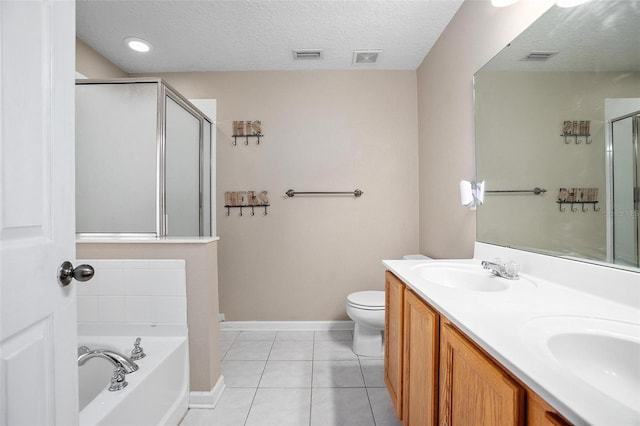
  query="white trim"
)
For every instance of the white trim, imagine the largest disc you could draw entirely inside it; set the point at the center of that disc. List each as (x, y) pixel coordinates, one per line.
(142, 239)
(207, 399)
(285, 325)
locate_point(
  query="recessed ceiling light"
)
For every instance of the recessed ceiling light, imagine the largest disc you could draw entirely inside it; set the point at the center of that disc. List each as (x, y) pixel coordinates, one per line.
(137, 44)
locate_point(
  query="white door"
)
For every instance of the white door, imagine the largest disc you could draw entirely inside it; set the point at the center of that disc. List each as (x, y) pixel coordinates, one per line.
(38, 337)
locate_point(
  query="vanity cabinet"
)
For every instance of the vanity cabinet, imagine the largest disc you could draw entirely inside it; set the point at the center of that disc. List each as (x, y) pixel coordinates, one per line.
(436, 375)
(420, 362)
(474, 390)
(539, 413)
(393, 347)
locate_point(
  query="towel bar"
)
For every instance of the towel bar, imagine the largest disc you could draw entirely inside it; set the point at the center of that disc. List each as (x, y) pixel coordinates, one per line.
(291, 193)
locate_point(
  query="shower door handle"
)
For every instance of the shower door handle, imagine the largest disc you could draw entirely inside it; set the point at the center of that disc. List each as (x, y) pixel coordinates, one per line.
(67, 272)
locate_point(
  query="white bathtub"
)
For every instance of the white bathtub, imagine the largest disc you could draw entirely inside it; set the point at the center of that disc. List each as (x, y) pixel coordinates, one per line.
(157, 393)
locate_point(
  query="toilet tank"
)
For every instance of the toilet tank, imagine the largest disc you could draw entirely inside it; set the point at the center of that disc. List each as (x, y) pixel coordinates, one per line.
(415, 257)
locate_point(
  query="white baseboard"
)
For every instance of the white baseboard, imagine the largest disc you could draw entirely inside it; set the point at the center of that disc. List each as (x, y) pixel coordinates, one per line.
(207, 399)
(285, 325)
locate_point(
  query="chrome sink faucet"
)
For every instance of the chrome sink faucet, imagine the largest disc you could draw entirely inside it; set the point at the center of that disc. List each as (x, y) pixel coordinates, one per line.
(508, 271)
(118, 360)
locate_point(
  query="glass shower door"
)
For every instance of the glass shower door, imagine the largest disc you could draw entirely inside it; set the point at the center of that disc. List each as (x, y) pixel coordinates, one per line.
(182, 172)
(626, 179)
(116, 165)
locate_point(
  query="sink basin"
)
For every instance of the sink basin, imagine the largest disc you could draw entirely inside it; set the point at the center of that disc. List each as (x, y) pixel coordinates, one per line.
(605, 354)
(465, 277)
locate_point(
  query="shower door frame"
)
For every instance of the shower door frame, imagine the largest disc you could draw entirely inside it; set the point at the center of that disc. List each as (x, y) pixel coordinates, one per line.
(635, 130)
(164, 91)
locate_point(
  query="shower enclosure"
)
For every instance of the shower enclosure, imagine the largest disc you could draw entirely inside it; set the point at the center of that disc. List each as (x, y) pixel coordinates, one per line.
(624, 177)
(143, 161)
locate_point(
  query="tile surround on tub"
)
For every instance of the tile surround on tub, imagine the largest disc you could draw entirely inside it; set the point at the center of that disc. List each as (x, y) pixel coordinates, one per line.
(134, 292)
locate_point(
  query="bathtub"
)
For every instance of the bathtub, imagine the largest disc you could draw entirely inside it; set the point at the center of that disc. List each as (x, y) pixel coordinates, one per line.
(157, 393)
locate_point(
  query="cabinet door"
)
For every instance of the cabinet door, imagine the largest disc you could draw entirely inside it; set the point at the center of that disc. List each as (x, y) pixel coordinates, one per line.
(394, 303)
(539, 413)
(420, 379)
(473, 390)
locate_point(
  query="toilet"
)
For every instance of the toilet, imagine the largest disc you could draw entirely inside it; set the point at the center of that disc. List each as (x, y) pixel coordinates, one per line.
(366, 309)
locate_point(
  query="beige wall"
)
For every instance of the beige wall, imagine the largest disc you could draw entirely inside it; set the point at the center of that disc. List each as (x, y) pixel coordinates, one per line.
(324, 131)
(91, 64)
(445, 117)
(202, 297)
(338, 130)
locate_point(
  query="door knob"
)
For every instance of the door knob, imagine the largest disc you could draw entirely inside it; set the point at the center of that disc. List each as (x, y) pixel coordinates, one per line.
(67, 272)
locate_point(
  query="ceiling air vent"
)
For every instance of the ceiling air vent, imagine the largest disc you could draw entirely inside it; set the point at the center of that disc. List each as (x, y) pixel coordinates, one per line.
(307, 54)
(366, 56)
(538, 56)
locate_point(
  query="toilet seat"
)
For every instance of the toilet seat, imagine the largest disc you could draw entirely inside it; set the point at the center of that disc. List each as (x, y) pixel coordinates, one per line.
(367, 300)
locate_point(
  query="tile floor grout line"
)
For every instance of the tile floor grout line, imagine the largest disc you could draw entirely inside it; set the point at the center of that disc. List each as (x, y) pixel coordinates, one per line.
(255, 393)
(246, 418)
(313, 365)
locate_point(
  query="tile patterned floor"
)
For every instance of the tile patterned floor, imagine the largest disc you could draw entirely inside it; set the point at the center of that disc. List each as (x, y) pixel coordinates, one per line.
(297, 378)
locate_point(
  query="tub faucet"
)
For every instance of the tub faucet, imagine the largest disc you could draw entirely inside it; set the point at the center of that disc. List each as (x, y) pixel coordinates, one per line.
(119, 361)
(505, 271)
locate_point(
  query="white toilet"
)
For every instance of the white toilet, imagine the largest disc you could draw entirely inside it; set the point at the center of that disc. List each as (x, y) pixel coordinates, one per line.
(366, 309)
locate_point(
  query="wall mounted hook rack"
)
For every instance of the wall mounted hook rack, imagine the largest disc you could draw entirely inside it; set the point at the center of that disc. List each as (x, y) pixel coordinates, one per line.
(246, 138)
(582, 205)
(577, 139)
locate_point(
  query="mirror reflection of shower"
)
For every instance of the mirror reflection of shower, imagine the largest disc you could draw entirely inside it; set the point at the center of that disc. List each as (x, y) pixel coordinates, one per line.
(624, 181)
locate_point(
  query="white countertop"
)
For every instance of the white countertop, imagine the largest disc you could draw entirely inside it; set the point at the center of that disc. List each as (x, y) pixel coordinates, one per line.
(500, 322)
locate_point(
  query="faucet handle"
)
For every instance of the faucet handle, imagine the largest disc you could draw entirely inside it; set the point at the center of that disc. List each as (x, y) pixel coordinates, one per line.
(137, 352)
(118, 380)
(512, 268)
(83, 350)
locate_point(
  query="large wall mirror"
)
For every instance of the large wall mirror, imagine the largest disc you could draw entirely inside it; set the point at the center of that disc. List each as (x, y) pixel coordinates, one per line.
(558, 109)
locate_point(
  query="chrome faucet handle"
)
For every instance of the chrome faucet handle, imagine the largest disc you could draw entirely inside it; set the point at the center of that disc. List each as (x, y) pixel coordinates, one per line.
(137, 352)
(118, 381)
(83, 350)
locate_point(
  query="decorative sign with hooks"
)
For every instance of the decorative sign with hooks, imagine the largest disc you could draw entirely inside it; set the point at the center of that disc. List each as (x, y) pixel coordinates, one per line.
(578, 130)
(246, 200)
(580, 196)
(246, 130)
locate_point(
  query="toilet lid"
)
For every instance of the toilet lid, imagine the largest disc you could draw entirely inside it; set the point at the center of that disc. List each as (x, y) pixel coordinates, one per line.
(367, 299)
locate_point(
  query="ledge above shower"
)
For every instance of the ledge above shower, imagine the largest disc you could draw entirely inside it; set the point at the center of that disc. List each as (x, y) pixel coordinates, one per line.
(142, 239)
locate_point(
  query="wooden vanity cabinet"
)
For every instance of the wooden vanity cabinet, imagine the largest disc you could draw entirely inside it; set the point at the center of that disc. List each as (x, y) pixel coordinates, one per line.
(473, 390)
(420, 365)
(437, 376)
(539, 413)
(393, 343)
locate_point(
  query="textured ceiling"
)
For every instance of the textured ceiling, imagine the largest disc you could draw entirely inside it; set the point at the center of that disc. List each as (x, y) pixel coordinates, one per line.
(223, 35)
(601, 36)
